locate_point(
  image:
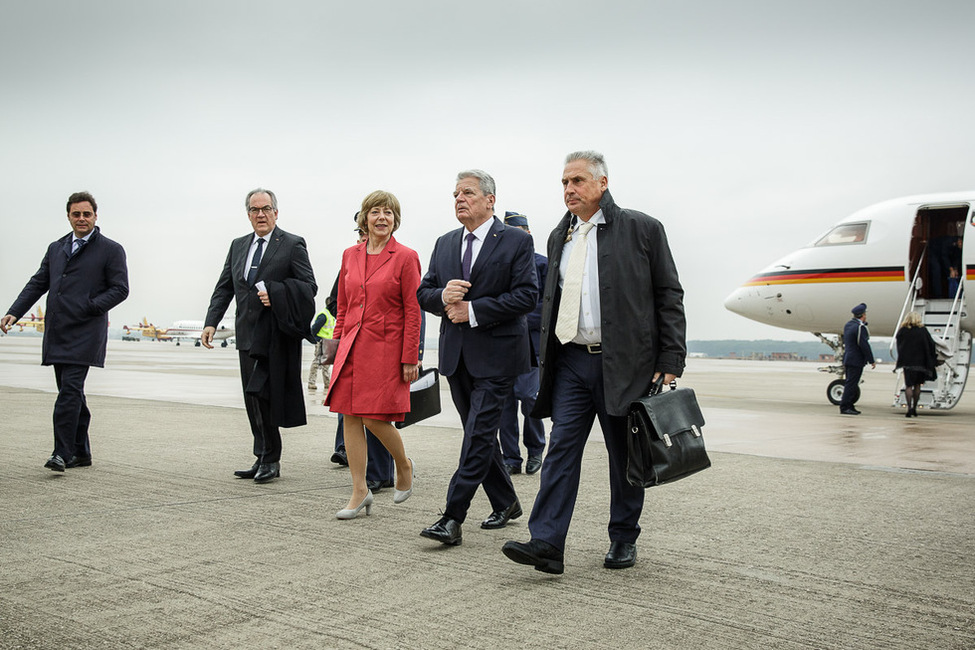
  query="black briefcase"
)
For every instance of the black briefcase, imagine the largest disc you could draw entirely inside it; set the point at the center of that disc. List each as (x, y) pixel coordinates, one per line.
(664, 437)
(424, 398)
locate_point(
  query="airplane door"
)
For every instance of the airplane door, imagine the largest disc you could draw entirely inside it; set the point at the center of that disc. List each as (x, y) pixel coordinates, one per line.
(936, 247)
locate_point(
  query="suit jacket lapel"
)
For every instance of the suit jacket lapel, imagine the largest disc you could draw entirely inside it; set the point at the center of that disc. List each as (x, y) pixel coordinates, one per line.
(239, 257)
(454, 267)
(487, 247)
(273, 244)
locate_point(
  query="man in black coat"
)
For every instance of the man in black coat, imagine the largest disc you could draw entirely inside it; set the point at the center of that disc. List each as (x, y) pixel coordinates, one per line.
(612, 322)
(269, 275)
(85, 275)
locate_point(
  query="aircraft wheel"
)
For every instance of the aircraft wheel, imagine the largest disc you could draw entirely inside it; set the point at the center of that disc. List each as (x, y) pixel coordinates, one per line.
(834, 392)
(224, 344)
(197, 344)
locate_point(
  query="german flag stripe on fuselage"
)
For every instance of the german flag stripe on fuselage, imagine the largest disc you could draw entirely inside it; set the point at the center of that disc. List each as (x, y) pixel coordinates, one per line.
(867, 274)
(970, 273)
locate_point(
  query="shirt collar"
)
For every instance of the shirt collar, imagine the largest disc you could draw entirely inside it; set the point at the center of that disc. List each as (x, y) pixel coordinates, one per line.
(481, 232)
(595, 219)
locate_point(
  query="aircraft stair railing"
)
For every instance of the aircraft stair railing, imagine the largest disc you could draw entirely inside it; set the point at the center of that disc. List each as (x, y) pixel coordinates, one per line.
(910, 301)
(954, 348)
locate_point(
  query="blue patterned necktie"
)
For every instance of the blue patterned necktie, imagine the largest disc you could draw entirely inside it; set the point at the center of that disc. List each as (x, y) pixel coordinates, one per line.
(468, 256)
(78, 245)
(255, 262)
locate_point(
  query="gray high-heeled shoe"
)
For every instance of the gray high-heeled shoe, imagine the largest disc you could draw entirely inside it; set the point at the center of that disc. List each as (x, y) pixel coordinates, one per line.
(399, 496)
(352, 513)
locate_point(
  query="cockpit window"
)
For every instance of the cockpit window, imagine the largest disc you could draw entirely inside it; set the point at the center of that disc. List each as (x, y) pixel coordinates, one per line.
(845, 233)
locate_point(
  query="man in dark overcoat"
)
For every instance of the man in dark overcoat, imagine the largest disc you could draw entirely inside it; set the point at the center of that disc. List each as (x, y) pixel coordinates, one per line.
(269, 275)
(84, 275)
(612, 322)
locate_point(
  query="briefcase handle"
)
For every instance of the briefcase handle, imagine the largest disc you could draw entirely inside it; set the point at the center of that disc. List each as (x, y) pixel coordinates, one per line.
(657, 387)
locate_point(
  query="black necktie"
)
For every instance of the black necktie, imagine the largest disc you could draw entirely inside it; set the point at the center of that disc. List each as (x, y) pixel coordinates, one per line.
(468, 256)
(255, 262)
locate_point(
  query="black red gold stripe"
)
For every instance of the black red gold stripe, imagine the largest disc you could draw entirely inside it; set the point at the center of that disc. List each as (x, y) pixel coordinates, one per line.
(816, 276)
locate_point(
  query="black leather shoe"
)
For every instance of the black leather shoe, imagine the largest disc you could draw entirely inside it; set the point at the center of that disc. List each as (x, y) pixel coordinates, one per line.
(55, 463)
(500, 518)
(267, 472)
(533, 464)
(542, 555)
(513, 469)
(248, 473)
(622, 555)
(446, 531)
(849, 412)
(377, 486)
(339, 458)
(78, 461)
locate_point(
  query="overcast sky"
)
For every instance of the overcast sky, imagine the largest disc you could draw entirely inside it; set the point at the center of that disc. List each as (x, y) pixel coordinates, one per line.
(748, 128)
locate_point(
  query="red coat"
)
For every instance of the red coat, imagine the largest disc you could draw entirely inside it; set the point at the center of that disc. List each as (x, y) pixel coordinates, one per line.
(378, 327)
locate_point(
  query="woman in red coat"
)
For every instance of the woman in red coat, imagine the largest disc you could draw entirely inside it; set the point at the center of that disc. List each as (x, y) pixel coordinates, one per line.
(378, 327)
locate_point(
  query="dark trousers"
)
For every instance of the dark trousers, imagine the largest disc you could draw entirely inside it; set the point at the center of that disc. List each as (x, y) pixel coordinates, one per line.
(267, 436)
(525, 391)
(851, 387)
(479, 402)
(578, 400)
(380, 465)
(71, 414)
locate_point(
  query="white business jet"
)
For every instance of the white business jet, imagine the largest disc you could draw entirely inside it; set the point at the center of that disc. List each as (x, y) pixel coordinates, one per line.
(894, 256)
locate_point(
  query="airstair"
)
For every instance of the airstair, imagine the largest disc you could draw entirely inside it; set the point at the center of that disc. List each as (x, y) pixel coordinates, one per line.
(942, 318)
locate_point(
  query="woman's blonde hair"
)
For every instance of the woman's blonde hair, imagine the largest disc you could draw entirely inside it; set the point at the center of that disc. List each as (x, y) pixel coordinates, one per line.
(913, 319)
(379, 199)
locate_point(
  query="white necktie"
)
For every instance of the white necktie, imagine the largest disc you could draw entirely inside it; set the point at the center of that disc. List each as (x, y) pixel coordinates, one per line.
(567, 324)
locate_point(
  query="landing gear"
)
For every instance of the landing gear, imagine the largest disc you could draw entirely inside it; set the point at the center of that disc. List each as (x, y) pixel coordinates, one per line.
(834, 392)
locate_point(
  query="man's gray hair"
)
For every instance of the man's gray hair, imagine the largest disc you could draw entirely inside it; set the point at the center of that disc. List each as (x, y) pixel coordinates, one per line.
(595, 160)
(484, 180)
(261, 190)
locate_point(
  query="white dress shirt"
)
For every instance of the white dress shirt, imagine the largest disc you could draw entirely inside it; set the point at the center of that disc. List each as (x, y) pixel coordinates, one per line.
(590, 331)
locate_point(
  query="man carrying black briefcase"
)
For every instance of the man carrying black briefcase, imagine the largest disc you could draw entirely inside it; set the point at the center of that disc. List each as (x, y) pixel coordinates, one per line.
(612, 322)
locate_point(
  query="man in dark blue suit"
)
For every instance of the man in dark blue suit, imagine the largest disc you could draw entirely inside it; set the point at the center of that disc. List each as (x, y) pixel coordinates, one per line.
(612, 322)
(84, 275)
(481, 282)
(526, 385)
(856, 354)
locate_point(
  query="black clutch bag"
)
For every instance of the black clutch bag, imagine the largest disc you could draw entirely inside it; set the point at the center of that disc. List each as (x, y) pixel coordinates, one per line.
(424, 398)
(664, 437)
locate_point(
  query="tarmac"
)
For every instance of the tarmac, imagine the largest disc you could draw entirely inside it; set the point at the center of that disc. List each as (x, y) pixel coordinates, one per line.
(810, 530)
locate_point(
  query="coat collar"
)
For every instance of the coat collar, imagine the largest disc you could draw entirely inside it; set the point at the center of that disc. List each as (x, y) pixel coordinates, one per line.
(69, 241)
(386, 254)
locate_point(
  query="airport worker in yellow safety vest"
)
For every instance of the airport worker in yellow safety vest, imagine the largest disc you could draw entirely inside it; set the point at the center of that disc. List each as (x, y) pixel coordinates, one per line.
(322, 328)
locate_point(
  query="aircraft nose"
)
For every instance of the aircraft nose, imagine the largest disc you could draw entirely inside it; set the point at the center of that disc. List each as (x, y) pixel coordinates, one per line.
(740, 302)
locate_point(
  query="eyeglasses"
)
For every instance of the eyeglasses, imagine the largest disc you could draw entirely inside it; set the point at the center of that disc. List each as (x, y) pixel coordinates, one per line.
(86, 215)
(267, 209)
